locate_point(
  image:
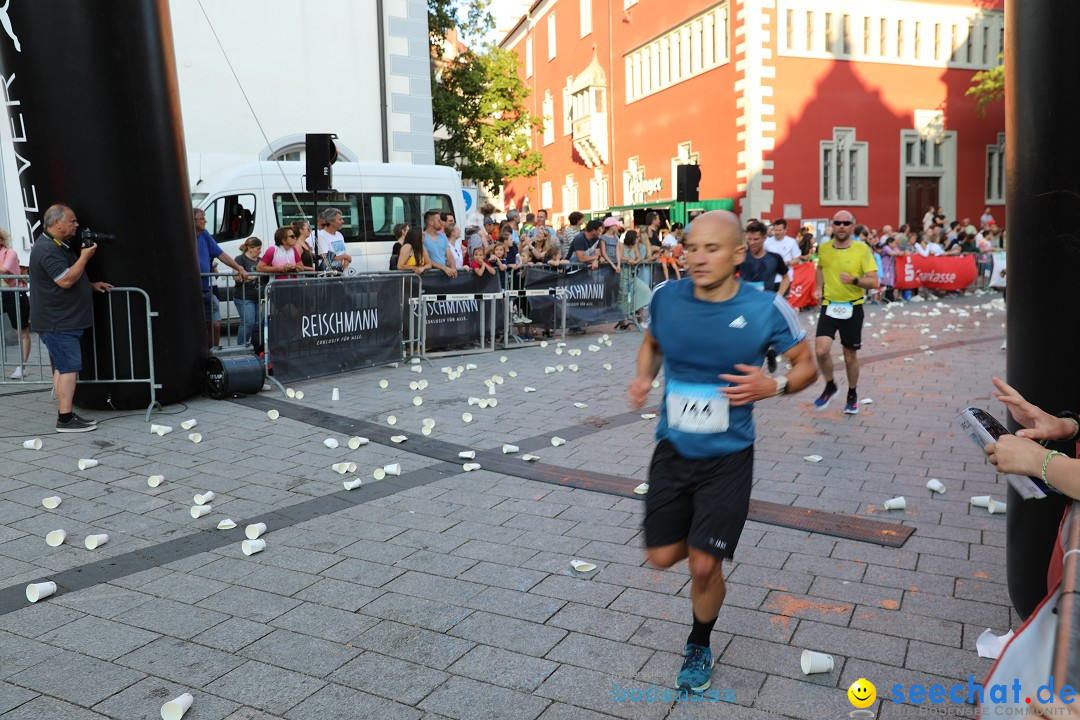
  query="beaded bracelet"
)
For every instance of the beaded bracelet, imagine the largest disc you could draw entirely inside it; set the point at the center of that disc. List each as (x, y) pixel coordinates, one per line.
(1046, 461)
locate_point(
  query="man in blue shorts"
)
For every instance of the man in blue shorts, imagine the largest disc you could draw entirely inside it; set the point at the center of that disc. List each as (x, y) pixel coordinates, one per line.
(702, 469)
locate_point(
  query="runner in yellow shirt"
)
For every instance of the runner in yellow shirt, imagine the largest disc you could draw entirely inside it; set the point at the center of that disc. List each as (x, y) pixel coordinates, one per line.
(846, 269)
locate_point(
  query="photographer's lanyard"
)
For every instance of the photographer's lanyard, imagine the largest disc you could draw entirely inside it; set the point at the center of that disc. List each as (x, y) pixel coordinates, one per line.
(58, 243)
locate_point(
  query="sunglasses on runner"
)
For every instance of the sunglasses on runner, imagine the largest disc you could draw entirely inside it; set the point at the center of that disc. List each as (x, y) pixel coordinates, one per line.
(841, 222)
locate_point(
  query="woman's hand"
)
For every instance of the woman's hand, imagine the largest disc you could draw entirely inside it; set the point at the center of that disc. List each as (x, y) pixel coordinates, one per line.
(1038, 424)
(1017, 455)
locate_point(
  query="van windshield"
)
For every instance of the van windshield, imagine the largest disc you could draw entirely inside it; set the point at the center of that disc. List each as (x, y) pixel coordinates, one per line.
(369, 217)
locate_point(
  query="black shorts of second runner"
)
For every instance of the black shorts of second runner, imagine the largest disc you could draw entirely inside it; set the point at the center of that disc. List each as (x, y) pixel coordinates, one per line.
(702, 502)
(850, 329)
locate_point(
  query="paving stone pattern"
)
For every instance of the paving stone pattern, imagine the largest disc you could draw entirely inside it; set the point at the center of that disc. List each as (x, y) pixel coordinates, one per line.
(452, 596)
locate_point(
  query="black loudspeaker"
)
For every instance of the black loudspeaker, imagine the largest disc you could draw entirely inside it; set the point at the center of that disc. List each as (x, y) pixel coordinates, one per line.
(231, 371)
(687, 179)
(321, 155)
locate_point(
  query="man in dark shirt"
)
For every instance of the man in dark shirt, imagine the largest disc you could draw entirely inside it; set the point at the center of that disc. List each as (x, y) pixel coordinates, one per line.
(652, 228)
(761, 268)
(585, 247)
(61, 307)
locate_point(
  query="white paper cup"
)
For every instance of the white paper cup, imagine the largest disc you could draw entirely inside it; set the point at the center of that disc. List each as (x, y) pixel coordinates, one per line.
(982, 501)
(352, 484)
(398, 438)
(483, 404)
(418, 401)
(175, 708)
(341, 467)
(39, 591)
(642, 489)
(393, 469)
(205, 499)
(155, 480)
(273, 414)
(384, 384)
(474, 401)
(467, 454)
(226, 524)
(330, 443)
(335, 395)
(548, 370)
(896, 503)
(543, 343)
(93, 542)
(512, 373)
(492, 402)
(502, 358)
(188, 424)
(607, 366)
(391, 420)
(470, 366)
(379, 473)
(594, 348)
(426, 430)
(498, 379)
(509, 449)
(356, 441)
(34, 444)
(559, 368)
(160, 430)
(557, 441)
(558, 351)
(530, 458)
(289, 392)
(299, 394)
(935, 485)
(195, 437)
(414, 385)
(491, 390)
(87, 463)
(254, 530)
(250, 547)
(573, 368)
(428, 422)
(996, 507)
(52, 502)
(352, 467)
(530, 389)
(422, 385)
(197, 511)
(466, 417)
(469, 467)
(414, 361)
(55, 538)
(815, 662)
(417, 369)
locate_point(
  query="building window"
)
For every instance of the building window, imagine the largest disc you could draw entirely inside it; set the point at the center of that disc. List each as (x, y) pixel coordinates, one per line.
(569, 195)
(551, 35)
(568, 107)
(586, 19)
(995, 172)
(844, 165)
(545, 196)
(549, 119)
(598, 191)
(528, 57)
(698, 45)
(941, 35)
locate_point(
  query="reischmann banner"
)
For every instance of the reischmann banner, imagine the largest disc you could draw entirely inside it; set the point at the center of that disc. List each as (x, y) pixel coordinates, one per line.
(592, 296)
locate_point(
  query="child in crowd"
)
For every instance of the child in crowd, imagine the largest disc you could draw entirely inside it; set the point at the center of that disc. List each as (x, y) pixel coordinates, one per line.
(479, 265)
(668, 261)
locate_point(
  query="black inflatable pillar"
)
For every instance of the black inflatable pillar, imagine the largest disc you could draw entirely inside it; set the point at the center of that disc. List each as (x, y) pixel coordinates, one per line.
(1042, 153)
(91, 94)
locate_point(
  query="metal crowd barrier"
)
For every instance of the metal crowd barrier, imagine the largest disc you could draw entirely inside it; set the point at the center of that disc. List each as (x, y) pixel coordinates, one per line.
(1065, 666)
(488, 305)
(131, 326)
(559, 296)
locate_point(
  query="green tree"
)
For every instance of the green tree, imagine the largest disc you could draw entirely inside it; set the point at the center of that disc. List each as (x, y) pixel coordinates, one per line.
(988, 86)
(478, 99)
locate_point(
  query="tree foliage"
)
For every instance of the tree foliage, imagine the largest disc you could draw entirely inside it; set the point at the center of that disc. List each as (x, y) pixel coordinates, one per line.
(988, 86)
(478, 99)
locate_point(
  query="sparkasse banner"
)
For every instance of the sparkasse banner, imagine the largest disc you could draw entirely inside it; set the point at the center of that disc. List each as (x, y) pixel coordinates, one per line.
(942, 272)
(332, 325)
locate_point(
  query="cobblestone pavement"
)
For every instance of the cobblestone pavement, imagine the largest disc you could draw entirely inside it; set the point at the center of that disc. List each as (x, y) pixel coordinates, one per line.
(441, 593)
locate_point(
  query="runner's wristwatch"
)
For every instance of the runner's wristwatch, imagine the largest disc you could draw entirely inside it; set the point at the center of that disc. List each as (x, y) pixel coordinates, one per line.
(781, 385)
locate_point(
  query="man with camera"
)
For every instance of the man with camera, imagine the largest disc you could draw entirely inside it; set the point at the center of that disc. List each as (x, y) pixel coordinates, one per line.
(61, 306)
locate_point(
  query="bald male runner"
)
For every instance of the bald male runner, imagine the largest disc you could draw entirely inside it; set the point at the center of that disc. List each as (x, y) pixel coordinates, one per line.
(701, 471)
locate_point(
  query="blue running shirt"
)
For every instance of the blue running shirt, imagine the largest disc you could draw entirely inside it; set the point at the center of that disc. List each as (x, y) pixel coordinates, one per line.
(701, 340)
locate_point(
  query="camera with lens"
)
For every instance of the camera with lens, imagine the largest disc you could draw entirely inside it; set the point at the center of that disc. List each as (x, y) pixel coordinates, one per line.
(89, 237)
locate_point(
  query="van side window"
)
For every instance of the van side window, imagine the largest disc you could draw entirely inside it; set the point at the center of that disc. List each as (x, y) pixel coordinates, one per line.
(231, 217)
(385, 210)
(290, 207)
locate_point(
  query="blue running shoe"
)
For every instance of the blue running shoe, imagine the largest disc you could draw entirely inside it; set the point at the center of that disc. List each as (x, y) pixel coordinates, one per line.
(851, 407)
(696, 673)
(822, 401)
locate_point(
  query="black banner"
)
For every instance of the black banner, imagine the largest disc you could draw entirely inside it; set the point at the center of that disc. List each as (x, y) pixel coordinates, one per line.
(333, 325)
(592, 296)
(457, 322)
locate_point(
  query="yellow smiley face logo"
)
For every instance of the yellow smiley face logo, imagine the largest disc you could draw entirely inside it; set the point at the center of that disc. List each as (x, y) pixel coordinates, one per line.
(862, 693)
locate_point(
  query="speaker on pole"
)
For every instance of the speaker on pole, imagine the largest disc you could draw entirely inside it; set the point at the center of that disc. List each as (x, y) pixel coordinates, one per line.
(687, 179)
(321, 155)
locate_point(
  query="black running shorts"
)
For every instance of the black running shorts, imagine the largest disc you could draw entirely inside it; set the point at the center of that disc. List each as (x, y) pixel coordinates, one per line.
(850, 329)
(703, 502)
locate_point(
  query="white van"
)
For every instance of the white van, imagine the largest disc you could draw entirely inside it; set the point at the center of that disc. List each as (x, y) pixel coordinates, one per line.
(259, 197)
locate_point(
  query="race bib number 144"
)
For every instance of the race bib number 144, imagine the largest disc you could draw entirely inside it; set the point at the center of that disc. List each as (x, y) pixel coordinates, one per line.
(696, 407)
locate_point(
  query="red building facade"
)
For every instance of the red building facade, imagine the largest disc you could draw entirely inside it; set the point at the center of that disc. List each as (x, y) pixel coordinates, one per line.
(793, 108)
